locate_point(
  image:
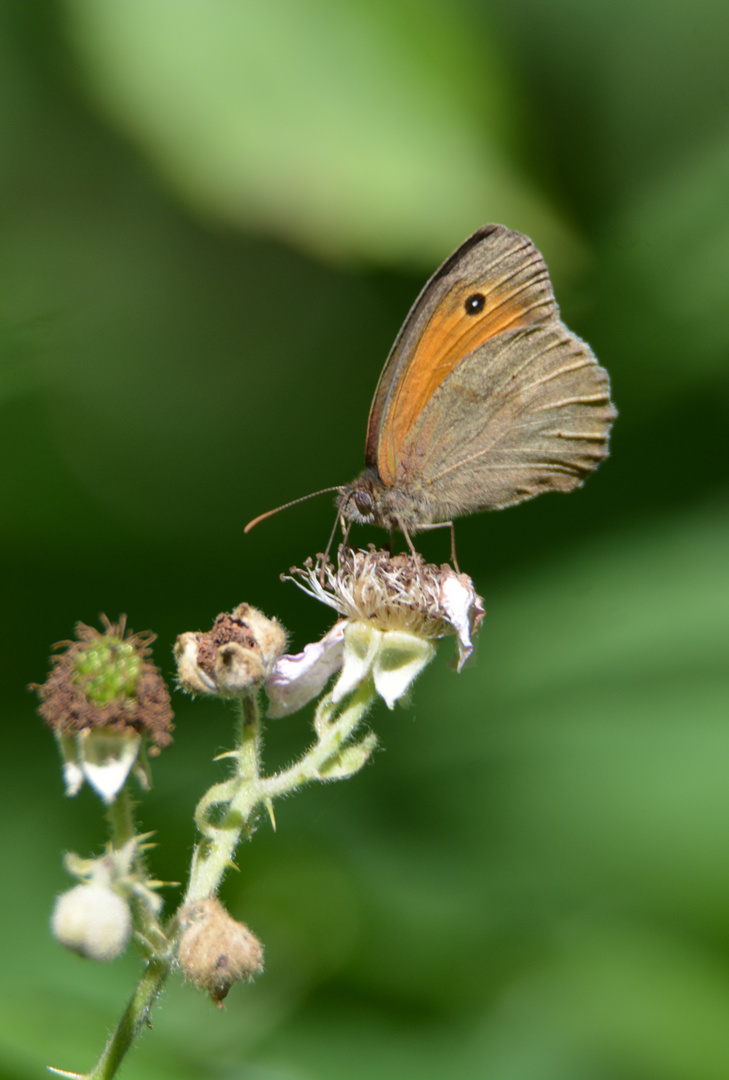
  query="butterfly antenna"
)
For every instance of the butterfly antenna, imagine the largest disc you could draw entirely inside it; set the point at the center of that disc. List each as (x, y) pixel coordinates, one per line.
(269, 513)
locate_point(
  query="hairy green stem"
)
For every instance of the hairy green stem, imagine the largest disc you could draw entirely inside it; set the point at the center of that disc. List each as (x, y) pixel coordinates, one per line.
(150, 935)
(240, 796)
(121, 821)
(133, 1020)
(333, 734)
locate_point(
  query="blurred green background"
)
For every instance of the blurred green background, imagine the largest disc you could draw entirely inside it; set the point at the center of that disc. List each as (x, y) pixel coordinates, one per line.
(214, 217)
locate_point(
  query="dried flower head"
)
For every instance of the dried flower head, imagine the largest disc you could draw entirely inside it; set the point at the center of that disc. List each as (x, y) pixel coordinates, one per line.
(396, 592)
(104, 700)
(106, 680)
(394, 607)
(215, 951)
(234, 657)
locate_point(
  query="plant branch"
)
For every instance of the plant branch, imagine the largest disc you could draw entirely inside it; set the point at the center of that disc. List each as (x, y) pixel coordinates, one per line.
(238, 799)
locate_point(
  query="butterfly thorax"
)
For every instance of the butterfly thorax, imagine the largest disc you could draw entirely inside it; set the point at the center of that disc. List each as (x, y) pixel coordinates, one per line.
(368, 501)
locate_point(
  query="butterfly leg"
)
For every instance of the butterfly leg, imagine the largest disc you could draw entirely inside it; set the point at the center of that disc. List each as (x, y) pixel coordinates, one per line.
(454, 559)
(406, 534)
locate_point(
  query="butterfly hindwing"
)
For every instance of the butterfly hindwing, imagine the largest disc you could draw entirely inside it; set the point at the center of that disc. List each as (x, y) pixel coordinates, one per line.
(529, 411)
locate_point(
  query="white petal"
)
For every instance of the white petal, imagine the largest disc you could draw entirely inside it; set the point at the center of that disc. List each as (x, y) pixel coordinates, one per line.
(73, 776)
(464, 610)
(106, 759)
(295, 680)
(401, 657)
(361, 645)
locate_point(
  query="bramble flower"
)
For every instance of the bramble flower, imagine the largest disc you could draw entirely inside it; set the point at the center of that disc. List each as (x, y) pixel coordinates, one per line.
(233, 658)
(394, 607)
(106, 703)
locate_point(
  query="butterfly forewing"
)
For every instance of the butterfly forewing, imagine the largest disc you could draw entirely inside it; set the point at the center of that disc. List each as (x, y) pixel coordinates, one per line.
(494, 283)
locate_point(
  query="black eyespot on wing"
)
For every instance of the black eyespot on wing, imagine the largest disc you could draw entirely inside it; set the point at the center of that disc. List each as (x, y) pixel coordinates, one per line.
(474, 303)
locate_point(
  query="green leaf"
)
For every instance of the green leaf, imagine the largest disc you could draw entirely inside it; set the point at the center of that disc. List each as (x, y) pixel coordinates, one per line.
(375, 130)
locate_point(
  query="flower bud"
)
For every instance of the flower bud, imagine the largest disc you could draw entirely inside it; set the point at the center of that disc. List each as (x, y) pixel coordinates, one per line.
(215, 951)
(92, 920)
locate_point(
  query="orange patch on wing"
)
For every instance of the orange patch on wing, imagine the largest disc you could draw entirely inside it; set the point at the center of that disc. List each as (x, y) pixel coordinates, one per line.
(449, 337)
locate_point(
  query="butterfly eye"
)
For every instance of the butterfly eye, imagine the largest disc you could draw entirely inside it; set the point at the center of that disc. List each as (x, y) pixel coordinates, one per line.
(474, 303)
(363, 501)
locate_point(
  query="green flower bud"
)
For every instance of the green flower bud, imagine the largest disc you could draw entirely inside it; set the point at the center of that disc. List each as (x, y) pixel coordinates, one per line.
(109, 668)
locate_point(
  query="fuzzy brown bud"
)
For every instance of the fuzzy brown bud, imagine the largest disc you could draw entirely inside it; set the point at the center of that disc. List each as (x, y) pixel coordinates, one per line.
(215, 951)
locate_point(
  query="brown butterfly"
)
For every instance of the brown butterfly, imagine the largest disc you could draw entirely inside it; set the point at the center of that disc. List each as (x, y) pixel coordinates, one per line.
(486, 399)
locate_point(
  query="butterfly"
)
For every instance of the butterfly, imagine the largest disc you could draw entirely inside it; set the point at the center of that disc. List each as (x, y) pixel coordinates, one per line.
(486, 398)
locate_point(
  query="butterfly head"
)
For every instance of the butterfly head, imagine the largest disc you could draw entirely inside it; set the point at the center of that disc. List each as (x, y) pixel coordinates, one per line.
(360, 500)
(369, 501)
